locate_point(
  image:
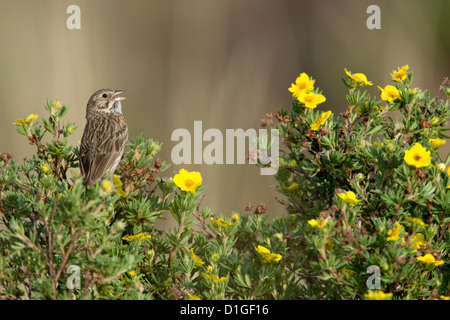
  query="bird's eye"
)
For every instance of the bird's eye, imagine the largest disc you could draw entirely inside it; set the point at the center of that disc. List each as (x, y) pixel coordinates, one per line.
(104, 95)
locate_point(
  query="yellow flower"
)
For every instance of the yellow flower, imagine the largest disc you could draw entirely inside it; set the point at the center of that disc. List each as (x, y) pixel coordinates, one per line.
(27, 120)
(349, 197)
(448, 171)
(214, 278)
(320, 120)
(359, 110)
(319, 224)
(437, 142)
(140, 235)
(347, 271)
(429, 259)
(290, 163)
(121, 193)
(417, 221)
(267, 255)
(379, 295)
(56, 104)
(235, 217)
(219, 222)
(417, 156)
(302, 85)
(434, 120)
(188, 181)
(44, 167)
(441, 167)
(215, 258)
(194, 257)
(359, 78)
(329, 246)
(445, 297)
(389, 93)
(311, 100)
(378, 108)
(132, 273)
(394, 234)
(193, 297)
(293, 187)
(400, 74)
(106, 186)
(117, 182)
(418, 241)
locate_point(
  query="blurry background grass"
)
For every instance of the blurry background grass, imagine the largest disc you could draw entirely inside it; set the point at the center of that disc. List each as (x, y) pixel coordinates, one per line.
(224, 62)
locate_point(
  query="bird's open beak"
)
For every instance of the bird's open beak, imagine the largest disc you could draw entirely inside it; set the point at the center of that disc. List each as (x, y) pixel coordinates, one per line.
(115, 96)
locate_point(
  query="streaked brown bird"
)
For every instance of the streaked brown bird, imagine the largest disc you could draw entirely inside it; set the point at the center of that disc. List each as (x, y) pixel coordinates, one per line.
(104, 135)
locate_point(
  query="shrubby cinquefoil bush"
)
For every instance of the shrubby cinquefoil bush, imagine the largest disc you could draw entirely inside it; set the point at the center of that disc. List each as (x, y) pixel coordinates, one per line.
(366, 193)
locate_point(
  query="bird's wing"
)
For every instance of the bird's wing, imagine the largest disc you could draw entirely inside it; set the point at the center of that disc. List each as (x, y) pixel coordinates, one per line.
(99, 152)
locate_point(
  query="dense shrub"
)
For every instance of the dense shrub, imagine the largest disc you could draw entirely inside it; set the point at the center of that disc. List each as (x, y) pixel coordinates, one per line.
(366, 193)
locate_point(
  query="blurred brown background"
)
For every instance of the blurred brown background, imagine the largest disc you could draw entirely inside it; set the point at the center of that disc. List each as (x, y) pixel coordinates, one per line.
(225, 62)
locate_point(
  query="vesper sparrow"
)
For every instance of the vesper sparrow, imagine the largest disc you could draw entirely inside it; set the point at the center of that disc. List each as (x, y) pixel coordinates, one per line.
(104, 135)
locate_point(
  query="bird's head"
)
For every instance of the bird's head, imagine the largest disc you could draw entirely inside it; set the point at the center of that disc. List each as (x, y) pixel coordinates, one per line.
(105, 100)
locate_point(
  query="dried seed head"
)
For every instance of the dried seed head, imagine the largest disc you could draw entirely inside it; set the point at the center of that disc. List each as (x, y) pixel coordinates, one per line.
(425, 123)
(264, 122)
(248, 207)
(287, 119)
(157, 164)
(401, 260)
(279, 116)
(33, 139)
(261, 208)
(323, 131)
(6, 156)
(435, 293)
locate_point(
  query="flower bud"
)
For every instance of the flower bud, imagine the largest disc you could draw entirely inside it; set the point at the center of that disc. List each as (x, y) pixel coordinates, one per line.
(106, 186)
(215, 258)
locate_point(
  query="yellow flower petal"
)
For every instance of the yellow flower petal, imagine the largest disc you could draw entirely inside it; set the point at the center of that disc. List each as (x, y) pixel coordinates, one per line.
(380, 295)
(418, 241)
(437, 142)
(236, 217)
(27, 120)
(267, 255)
(417, 221)
(214, 278)
(140, 235)
(106, 186)
(429, 259)
(319, 224)
(220, 222)
(194, 257)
